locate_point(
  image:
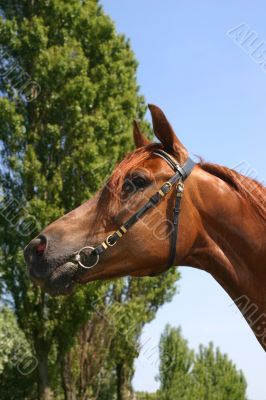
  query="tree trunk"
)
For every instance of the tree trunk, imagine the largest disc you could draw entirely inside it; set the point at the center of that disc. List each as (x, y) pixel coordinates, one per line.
(45, 391)
(67, 377)
(124, 390)
(119, 381)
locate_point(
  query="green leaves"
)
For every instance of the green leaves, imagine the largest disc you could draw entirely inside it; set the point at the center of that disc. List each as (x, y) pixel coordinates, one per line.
(58, 145)
(206, 375)
(216, 376)
(17, 363)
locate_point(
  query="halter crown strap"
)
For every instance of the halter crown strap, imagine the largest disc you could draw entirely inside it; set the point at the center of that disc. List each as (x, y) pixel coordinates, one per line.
(184, 171)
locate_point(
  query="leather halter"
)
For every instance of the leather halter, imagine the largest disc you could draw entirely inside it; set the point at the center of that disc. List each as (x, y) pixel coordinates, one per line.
(175, 182)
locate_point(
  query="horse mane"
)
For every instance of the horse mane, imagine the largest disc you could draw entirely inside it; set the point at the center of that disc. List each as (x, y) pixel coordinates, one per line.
(250, 189)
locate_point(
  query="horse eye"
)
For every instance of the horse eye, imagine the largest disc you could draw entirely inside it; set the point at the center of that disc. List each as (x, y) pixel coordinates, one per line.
(134, 184)
(139, 182)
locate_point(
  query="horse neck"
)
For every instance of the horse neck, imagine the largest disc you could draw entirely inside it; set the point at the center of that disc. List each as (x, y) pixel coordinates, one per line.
(231, 246)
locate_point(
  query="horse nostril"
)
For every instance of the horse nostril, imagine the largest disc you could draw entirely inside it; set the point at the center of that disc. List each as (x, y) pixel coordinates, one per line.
(35, 248)
(40, 248)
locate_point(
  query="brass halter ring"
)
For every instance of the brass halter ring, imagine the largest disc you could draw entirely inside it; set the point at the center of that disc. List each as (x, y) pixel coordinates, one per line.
(78, 258)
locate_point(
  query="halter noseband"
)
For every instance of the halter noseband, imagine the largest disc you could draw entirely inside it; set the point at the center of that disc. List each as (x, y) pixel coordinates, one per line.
(181, 173)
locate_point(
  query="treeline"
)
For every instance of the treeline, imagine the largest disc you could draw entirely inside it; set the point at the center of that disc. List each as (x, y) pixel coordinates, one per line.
(68, 96)
(186, 375)
(183, 374)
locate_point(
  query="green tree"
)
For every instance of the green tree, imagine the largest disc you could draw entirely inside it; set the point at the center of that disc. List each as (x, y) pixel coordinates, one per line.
(206, 375)
(147, 396)
(136, 304)
(68, 97)
(176, 361)
(114, 330)
(17, 363)
(216, 377)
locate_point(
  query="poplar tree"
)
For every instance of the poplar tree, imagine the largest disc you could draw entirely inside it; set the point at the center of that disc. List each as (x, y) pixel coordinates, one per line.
(68, 96)
(216, 377)
(206, 375)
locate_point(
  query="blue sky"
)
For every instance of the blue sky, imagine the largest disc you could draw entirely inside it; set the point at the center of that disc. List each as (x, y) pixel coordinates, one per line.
(214, 93)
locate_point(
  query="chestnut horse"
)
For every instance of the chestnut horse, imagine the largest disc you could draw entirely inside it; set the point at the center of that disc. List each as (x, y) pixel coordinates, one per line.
(222, 227)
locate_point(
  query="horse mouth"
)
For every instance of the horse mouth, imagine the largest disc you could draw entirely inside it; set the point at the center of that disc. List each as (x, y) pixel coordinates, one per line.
(62, 279)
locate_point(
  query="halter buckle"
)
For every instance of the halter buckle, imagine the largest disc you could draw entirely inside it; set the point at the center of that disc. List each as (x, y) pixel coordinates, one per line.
(180, 187)
(107, 241)
(169, 185)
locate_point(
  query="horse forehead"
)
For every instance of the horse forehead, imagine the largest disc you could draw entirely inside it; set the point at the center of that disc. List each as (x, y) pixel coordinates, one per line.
(151, 164)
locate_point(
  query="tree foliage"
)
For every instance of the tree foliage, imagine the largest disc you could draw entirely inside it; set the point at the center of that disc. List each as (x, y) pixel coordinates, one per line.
(216, 376)
(175, 366)
(68, 97)
(16, 360)
(206, 375)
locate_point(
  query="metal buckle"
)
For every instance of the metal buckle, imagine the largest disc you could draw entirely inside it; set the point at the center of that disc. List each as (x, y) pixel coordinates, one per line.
(180, 187)
(169, 184)
(77, 258)
(107, 241)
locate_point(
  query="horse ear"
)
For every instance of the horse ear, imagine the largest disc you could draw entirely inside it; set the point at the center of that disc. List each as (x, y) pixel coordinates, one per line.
(139, 139)
(165, 133)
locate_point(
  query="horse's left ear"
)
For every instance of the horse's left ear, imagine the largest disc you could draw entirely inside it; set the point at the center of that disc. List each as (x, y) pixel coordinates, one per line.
(165, 133)
(139, 139)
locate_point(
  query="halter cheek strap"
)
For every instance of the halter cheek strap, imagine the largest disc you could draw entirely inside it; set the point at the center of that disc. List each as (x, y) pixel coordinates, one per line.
(176, 181)
(183, 172)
